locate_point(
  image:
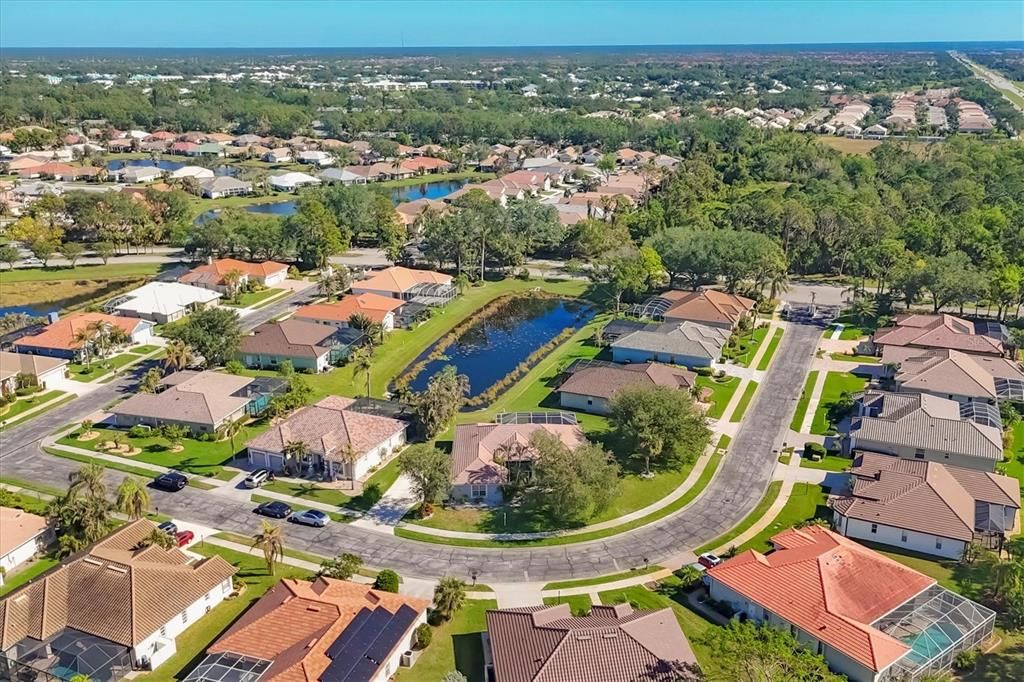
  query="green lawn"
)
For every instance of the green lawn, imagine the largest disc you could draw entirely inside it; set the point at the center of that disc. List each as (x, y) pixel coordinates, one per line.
(111, 271)
(805, 399)
(373, 490)
(769, 353)
(456, 645)
(1015, 467)
(753, 517)
(143, 350)
(28, 402)
(106, 464)
(579, 604)
(836, 383)
(587, 582)
(721, 393)
(806, 501)
(859, 359)
(251, 298)
(744, 402)
(747, 345)
(30, 572)
(98, 368)
(828, 463)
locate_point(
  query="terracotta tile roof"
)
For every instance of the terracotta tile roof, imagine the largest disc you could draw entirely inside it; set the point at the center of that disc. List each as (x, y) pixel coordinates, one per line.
(937, 331)
(399, 280)
(111, 590)
(327, 427)
(193, 397)
(373, 306)
(605, 381)
(829, 587)
(425, 162)
(19, 527)
(475, 446)
(291, 337)
(611, 644)
(61, 334)
(13, 364)
(213, 273)
(295, 623)
(707, 306)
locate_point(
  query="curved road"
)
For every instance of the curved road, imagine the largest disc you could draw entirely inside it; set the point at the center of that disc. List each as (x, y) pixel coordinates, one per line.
(732, 494)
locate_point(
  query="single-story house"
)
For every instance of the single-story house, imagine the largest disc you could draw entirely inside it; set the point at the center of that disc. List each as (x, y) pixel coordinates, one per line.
(24, 536)
(923, 426)
(42, 369)
(211, 275)
(690, 344)
(279, 155)
(331, 432)
(308, 346)
(477, 476)
(163, 302)
(342, 175)
(290, 182)
(870, 617)
(185, 148)
(116, 606)
(210, 149)
(138, 174)
(321, 630)
(711, 307)
(941, 331)
(591, 387)
(60, 339)
(407, 284)
(926, 507)
(409, 212)
(315, 158)
(197, 172)
(377, 308)
(224, 186)
(953, 375)
(426, 164)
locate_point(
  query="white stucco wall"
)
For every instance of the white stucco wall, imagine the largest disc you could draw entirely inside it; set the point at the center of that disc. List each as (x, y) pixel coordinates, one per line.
(275, 278)
(379, 455)
(633, 355)
(391, 664)
(494, 495)
(25, 551)
(584, 403)
(889, 535)
(159, 645)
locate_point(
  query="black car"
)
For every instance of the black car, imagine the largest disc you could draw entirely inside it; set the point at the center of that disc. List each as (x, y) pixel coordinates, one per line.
(169, 527)
(276, 510)
(172, 481)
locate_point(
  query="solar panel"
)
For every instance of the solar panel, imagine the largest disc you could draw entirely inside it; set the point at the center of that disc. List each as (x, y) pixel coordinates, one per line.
(363, 671)
(390, 635)
(349, 633)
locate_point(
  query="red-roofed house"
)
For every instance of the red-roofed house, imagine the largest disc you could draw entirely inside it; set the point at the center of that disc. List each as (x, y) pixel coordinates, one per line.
(378, 308)
(426, 164)
(185, 148)
(61, 338)
(871, 618)
(406, 284)
(211, 275)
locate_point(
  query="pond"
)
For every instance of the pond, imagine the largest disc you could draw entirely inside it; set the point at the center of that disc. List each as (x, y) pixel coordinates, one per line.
(497, 341)
(28, 310)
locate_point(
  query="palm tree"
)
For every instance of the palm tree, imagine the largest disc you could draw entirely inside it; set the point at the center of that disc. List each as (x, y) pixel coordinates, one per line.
(232, 282)
(349, 456)
(863, 309)
(270, 539)
(132, 498)
(449, 595)
(178, 356)
(85, 337)
(159, 538)
(88, 478)
(362, 363)
(294, 452)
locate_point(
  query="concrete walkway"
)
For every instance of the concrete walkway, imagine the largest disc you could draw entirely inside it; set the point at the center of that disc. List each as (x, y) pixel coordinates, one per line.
(392, 507)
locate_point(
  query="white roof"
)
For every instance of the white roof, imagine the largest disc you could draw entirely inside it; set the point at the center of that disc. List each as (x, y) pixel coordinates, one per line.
(293, 179)
(192, 172)
(164, 298)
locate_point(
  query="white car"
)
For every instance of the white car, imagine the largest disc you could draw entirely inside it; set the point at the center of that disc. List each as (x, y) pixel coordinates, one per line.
(31, 261)
(709, 560)
(256, 478)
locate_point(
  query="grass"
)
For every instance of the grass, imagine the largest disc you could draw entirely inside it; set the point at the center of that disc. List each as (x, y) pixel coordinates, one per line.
(106, 464)
(721, 393)
(250, 299)
(860, 359)
(587, 582)
(472, 176)
(579, 604)
(805, 399)
(836, 384)
(28, 402)
(53, 404)
(143, 350)
(455, 645)
(373, 489)
(769, 353)
(28, 573)
(1015, 467)
(98, 368)
(806, 501)
(79, 272)
(774, 488)
(29, 485)
(786, 456)
(744, 402)
(747, 345)
(828, 463)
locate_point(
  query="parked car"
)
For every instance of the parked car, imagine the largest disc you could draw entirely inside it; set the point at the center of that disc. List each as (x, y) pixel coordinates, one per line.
(185, 537)
(275, 509)
(310, 517)
(31, 261)
(168, 527)
(708, 560)
(172, 481)
(257, 478)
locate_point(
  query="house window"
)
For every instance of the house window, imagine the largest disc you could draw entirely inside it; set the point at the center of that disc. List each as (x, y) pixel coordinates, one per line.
(225, 587)
(163, 630)
(590, 401)
(874, 528)
(206, 597)
(207, 610)
(184, 617)
(903, 536)
(938, 543)
(477, 491)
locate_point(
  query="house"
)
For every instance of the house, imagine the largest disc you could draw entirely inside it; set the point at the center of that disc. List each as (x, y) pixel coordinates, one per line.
(61, 338)
(122, 145)
(876, 129)
(426, 164)
(409, 212)
(41, 369)
(377, 308)
(941, 331)
(184, 148)
(291, 182)
(953, 375)
(114, 607)
(342, 175)
(538, 643)
(247, 140)
(163, 302)
(406, 284)
(922, 426)
(302, 631)
(342, 442)
(197, 172)
(203, 402)
(278, 155)
(926, 507)
(315, 158)
(591, 386)
(24, 536)
(711, 307)
(591, 156)
(690, 344)
(307, 345)
(871, 618)
(211, 275)
(476, 474)
(224, 186)
(139, 174)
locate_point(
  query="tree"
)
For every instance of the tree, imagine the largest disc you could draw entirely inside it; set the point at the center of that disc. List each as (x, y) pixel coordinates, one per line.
(387, 581)
(430, 470)
(270, 539)
(606, 164)
(294, 452)
(745, 652)
(863, 309)
(449, 595)
(233, 283)
(174, 434)
(570, 485)
(132, 498)
(43, 250)
(71, 252)
(362, 363)
(9, 255)
(314, 231)
(159, 538)
(659, 422)
(436, 406)
(341, 567)
(87, 480)
(151, 380)
(104, 250)
(178, 355)
(213, 332)
(630, 271)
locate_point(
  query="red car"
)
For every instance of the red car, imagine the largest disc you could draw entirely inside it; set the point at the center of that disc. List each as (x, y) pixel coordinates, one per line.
(185, 537)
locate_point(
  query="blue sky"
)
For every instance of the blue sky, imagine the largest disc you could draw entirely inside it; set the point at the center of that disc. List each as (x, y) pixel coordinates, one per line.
(304, 23)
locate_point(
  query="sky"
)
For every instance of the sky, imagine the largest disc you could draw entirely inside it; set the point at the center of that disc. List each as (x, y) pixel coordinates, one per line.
(464, 23)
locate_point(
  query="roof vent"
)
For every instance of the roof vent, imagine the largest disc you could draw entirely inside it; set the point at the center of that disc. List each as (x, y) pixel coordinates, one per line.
(90, 560)
(609, 635)
(583, 638)
(314, 609)
(117, 569)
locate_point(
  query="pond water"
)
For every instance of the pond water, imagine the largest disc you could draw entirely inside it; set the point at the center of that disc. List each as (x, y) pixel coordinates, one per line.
(493, 346)
(164, 164)
(27, 310)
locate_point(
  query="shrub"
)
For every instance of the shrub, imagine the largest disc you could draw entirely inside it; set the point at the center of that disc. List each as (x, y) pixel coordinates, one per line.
(523, 274)
(206, 437)
(704, 371)
(139, 431)
(293, 273)
(234, 367)
(814, 451)
(966, 659)
(387, 581)
(423, 636)
(426, 509)
(27, 390)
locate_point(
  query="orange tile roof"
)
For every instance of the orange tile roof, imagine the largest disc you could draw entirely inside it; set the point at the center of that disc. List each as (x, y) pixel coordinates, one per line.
(61, 334)
(373, 306)
(424, 162)
(399, 279)
(213, 273)
(828, 586)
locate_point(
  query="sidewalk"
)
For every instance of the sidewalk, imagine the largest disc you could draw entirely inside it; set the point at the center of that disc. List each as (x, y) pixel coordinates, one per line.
(392, 507)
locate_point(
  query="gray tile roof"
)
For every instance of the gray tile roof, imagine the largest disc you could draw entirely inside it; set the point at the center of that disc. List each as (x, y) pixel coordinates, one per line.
(689, 338)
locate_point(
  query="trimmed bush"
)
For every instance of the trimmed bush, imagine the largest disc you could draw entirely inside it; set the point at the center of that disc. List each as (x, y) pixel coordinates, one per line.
(814, 451)
(140, 431)
(423, 636)
(387, 581)
(966, 660)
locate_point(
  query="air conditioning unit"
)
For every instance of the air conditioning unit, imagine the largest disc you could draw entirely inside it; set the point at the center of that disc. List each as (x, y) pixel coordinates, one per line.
(407, 659)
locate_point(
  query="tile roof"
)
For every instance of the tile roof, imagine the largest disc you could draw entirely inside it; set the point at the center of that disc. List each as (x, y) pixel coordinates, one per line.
(13, 364)
(112, 590)
(828, 586)
(689, 339)
(611, 644)
(291, 337)
(213, 272)
(19, 527)
(399, 280)
(475, 445)
(61, 334)
(937, 331)
(193, 397)
(945, 371)
(373, 306)
(327, 427)
(606, 381)
(706, 306)
(296, 622)
(424, 162)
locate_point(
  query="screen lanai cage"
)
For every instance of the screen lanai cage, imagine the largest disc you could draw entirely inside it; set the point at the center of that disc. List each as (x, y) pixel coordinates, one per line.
(936, 625)
(228, 667)
(65, 655)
